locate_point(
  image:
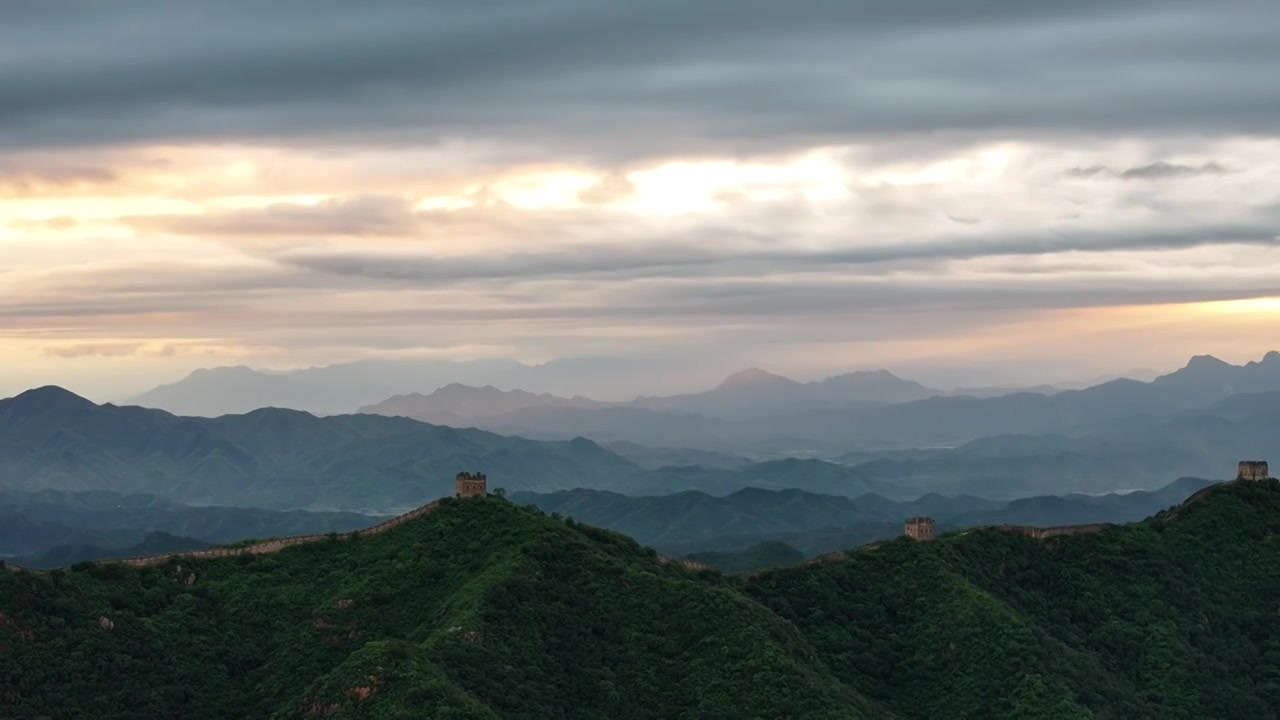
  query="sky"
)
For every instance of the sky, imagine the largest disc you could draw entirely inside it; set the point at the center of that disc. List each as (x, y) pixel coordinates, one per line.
(977, 192)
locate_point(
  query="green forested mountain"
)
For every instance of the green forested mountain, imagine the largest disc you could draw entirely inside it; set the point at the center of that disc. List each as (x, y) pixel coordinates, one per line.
(768, 554)
(1172, 618)
(484, 609)
(478, 610)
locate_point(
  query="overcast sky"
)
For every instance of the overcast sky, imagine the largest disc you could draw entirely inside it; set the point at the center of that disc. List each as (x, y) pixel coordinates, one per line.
(1041, 190)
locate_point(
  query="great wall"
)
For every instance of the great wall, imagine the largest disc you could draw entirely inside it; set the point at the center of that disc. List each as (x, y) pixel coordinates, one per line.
(467, 485)
(475, 485)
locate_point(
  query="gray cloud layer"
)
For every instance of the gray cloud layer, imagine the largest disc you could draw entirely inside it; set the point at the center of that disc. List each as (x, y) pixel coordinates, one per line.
(622, 79)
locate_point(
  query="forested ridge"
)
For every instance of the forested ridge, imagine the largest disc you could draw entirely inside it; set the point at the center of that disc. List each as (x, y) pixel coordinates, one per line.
(484, 609)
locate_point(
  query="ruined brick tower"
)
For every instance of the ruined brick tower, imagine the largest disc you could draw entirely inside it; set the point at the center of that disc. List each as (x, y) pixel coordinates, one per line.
(919, 528)
(1253, 470)
(470, 485)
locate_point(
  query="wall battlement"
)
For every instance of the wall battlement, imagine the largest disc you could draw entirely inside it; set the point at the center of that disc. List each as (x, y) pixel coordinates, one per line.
(1253, 470)
(919, 528)
(470, 485)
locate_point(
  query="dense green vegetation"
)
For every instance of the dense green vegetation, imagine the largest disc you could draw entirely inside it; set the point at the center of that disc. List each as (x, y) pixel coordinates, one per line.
(484, 609)
(1173, 618)
(768, 554)
(481, 609)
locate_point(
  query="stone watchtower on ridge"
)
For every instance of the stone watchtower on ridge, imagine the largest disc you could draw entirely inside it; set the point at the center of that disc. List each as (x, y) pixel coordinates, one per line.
(919, 528)
(1253, 470)
(470, 485)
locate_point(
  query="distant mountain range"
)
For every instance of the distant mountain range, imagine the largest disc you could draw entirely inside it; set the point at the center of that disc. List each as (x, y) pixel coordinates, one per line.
(813, 523)
(753, 413)
(457, 393)
(752, 393)
(61, 556)
(936, 421)
(54, 439)
(343, 387)
(285, 459)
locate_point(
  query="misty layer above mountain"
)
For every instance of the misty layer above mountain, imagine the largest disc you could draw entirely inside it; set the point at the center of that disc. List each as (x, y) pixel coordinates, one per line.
(34, 522)
(815, 523)
(932, 422)
(284, 459)
(343, 387)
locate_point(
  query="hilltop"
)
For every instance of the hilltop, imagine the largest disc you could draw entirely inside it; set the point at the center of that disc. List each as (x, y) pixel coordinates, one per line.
(484, 609)
(480, 609)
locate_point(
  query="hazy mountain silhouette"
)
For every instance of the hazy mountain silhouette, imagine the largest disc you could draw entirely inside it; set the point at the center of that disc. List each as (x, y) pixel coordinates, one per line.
(460, 405)
(35, 521)
(51, 438)
(935, 421)
(343, 387)
(155, 543)
(749, 393)
(814, 523)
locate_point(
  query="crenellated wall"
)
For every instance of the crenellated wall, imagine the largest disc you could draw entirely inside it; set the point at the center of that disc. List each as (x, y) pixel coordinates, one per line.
(274, 544)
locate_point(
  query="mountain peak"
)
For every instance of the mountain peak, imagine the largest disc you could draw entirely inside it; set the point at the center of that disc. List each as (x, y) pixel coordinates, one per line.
(1206, 362)
(49, 401)
(52, 395)
(754, 376)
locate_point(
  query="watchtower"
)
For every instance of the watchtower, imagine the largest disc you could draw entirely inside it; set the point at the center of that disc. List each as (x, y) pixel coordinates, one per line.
(919, 528)
(470, 485)
(1253, 470)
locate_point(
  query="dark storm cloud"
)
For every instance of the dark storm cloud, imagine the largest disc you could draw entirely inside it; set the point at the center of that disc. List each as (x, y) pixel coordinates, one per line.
(623, 79)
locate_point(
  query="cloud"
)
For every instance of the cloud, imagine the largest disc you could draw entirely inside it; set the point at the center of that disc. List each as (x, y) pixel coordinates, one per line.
(60, 222)
(24, 175)
(357, 216)
(550, 178)
(1155, 171)
(93, 350)
(688, 258)
(620, 81)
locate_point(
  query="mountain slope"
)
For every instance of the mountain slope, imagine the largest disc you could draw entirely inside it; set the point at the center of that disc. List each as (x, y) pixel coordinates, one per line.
(481, 609)
(478, 610)
(52, 439)
(1171, 618)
